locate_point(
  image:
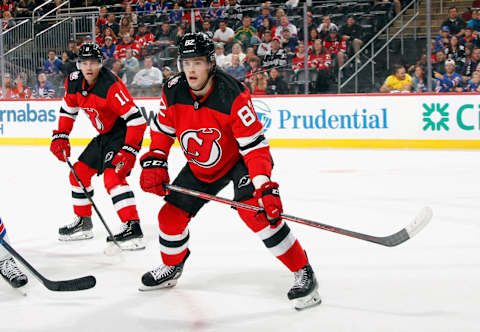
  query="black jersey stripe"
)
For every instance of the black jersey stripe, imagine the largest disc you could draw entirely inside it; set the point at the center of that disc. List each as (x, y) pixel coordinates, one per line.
(157, 125)
(62, 110)
(134, 116)
(81, 195)
(173, 244)
(256, 142)
(121, 197)
(278, 237)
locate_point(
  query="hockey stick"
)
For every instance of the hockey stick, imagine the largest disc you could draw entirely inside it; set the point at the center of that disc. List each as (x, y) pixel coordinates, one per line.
(110, 252)
(420, 221)
(60, 286)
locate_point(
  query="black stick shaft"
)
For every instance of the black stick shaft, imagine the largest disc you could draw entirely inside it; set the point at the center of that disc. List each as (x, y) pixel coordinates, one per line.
(91, 201)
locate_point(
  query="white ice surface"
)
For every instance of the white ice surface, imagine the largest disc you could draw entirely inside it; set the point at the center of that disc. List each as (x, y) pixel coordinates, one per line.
(231, 282)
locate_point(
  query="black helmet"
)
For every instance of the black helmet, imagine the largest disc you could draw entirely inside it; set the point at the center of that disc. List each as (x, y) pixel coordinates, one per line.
(194, 45)
(90, 51)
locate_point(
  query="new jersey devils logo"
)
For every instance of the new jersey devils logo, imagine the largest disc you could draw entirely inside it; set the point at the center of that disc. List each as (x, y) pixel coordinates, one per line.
(94, 117)
(201, 146)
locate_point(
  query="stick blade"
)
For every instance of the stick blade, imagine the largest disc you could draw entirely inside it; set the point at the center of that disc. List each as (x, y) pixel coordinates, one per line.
(71, 285)
(421, 220)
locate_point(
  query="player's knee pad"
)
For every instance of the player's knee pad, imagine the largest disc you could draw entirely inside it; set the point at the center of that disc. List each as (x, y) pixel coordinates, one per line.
(84, 172)
(172, 220)
(255, 221)
(111, 179)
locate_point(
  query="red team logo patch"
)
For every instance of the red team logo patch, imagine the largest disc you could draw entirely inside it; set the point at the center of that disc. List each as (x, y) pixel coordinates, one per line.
(94, 117)
(201, 146)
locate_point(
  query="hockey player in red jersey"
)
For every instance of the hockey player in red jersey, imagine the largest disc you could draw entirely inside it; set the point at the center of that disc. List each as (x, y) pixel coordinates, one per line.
(8, 268)
(120, 124)
(211, 115)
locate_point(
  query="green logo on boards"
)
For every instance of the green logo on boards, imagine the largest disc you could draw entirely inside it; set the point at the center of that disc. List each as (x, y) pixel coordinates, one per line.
(435, 117)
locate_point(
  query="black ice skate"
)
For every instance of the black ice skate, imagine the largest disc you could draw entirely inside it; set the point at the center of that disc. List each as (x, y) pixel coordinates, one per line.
(79, 229)
(164, 276)
(12, 274)
(304, 290)
(130, 236)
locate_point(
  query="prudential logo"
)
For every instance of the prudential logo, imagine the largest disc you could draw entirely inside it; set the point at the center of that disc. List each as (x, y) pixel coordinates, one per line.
(264, 113)
(435, 117)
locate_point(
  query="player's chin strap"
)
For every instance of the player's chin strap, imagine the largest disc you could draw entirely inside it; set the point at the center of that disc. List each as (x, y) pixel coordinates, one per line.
(210, 74)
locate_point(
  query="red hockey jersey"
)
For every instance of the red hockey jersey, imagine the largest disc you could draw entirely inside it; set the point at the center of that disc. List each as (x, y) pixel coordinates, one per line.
(335, 46)
(104, 103)
(121, 50)
(215, 131)
(145, 40)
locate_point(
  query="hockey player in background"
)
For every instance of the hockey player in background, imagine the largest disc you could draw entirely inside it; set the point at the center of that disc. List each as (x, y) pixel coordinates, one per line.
(8, 268)
(211, 115)
(106, 100)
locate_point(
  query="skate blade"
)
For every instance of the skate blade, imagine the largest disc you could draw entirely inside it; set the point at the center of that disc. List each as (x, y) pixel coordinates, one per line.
(130, 245)
(308, 301)
(166, 284)
(85, 235)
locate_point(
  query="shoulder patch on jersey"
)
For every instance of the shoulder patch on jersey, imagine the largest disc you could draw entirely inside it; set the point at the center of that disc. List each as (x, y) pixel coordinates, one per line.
(174, 80)
(75, 75)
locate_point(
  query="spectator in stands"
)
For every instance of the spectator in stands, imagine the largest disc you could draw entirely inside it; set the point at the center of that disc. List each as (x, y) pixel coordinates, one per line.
(224, 34)
(167, 73)
(72, 50)
(8, 6)
(455, 23)
(206, 29)
(66, 66)
(112, 24)
(165, 36)
(290, 4)
(108, 32)
(117, 68)
(352, 33)
(335, 46)
(474, 23)
(265, 13)
(215, 13)
(469, 37)
(43, 88)
(439, 65)
(236, 50)
(7, 21)
(418, 80)
(128, 42)
(289, 43)
(130, 15)
(321, 60)
(276, 57)
(276, 85)
(148, 80)
(266, 44)
(450, 81)
(298, 62)
(267, 26)
(278, 19)
(310, 26)
(180, 33)
(102, 17)
(187, 14)
(474, 84)
(246, 35)
(175, 16)
(108, 50)
(456, 52)
(312, 36)
(220, 55)
(98, 36)
(259, 84)
(472, 64)
(25, 8)
(11, 91)
(443, 39)
(143, 8)
(399, 81)
(22, 90)
(144, 38)
(324, 28)
(125, 25)
(233, 14)
(236, 69)
(52, 64)
(131, 65)
(253, 67)
(285, 24)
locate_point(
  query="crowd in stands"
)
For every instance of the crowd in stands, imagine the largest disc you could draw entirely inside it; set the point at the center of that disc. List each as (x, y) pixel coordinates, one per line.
(455, 60)
(261, 43)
